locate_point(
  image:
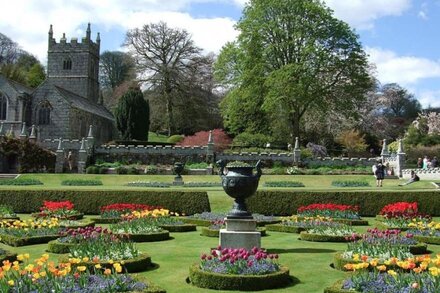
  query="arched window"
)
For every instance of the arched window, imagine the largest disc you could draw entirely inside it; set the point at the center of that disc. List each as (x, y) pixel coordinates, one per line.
(44, 114)
(3, 107)
(67, 64)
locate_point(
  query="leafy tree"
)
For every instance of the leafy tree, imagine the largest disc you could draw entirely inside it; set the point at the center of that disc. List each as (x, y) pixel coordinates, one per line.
(219, 136)
(163, 57)
(132, 115)
(36, 75)
(291, 57)
(115, 68)
(353, 141)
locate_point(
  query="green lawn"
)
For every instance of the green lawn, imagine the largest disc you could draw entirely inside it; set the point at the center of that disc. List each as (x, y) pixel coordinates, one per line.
(309, 262)
(153, 137)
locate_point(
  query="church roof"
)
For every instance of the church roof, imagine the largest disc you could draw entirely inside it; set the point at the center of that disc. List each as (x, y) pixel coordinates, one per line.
(84, 104)
(18, 87)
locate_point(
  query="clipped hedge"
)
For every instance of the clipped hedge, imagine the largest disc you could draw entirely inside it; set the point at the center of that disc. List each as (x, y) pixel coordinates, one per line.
(133, 265)
(55, 246)
(22, 241)
(428, 239)
(215, 281)
(286, 203)
(90, 201)
(179, 228)
(284, 228)
(150, 237)
(20, 182)
(304, 235)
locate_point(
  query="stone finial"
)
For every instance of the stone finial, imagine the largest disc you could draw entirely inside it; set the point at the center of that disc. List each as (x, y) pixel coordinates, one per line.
(90, 135)
(98, 38)
(82, 148)
(210, 140)
(384, 148)
(23, 130)
(296, 143)
(33, 135)
(50, 31)
(88, 32)
(60, 144)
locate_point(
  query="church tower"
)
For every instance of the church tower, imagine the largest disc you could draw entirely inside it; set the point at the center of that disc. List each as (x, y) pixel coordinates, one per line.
(74, 66)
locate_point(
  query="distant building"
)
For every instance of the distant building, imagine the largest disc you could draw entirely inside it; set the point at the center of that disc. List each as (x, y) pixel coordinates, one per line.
(67, 102)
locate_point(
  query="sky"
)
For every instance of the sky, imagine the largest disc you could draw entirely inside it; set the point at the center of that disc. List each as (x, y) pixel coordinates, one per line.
(401, 37)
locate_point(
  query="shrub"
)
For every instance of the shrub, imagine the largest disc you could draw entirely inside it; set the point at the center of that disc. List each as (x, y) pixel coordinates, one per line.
(121, 170)
(246, 139)
(92, 170)
(221, 139)
(90, 201)
(151, 170)
(81, 182)
(350, 183)
(20, 182)
(285, 203)
(201, 165)
(283, 184)
(132, 171)
(175, 138)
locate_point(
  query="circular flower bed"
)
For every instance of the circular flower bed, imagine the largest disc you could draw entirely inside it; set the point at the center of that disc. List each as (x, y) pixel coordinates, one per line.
(295, 224)
(19, 233)
(328, 231)
(347, 213)
(239, 269)
(401, 215)
(425, 232)
(113, 213)
(7, 213)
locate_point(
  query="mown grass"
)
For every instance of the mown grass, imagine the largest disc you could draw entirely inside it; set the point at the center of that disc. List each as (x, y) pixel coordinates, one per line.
(309, 262)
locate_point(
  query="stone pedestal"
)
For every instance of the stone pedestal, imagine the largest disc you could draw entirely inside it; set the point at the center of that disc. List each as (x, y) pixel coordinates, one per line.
(240, 233)
(178, 181)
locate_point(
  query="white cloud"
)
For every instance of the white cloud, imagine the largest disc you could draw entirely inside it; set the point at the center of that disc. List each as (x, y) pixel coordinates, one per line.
(429, 98)
(70, 17)
(362, 13)
(405, 70)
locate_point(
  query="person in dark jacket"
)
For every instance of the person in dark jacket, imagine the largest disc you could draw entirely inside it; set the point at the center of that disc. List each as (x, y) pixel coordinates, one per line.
(379, 173)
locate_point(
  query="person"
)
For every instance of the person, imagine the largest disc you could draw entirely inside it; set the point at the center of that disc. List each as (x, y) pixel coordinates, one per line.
(379, 173)
(419, 163)
(425, 163)
(414, 178)
(434, 162)
(70, 160)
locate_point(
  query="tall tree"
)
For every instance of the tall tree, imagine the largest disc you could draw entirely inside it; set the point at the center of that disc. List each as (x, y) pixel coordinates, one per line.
(116, 67)
(9, 50)
(133, 115)
(163, 58)
(291, 56)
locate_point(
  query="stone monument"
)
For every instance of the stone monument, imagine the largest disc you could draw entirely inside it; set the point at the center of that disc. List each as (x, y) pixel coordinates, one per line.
(178, 169)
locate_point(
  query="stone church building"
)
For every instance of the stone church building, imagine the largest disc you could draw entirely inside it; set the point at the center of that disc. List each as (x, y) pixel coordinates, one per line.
(67, 102)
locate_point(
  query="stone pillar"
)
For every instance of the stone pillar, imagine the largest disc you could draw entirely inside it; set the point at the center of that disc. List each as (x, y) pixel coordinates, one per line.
(296, 152)
(240, 233)
(400, 160)
(90, 138)
(82, 158)
(59, 163)
(385, 154)
(32, 136)
(210, 148)
(23, 133)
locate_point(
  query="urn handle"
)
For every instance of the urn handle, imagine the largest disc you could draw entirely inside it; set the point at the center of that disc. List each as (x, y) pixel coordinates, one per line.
(222, 165)
(258, 167)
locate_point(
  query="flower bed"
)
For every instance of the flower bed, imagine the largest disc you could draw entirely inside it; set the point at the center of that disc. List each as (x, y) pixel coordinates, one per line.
(7, 213)
(81, 182)
(401, 215)
(149, 184)
(425, 232)
(76, 224)
(420, 274)
(295, 224)
(239, 269)
(350, 183)
(328, 231)
(46, 276)
(55, 246)
(58, 209)
(283, 184)
(346, 214)
(113, 213)
(19, 233)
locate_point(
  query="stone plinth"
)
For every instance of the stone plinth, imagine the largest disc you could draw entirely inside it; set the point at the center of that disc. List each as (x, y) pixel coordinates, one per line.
(178, 181)
(240, 234)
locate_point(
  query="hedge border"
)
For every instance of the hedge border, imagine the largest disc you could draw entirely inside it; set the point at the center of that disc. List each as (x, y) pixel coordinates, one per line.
(57, 247)
(286, 203)
(428, 239)
(337, 288)
(90, 201)
(216, 233)
(179, 228)
(22, 241)
(304, 235)
(150, 237)
(134, 265)
(99, 220)
(215, 281)
(11, 256)
(285, 228)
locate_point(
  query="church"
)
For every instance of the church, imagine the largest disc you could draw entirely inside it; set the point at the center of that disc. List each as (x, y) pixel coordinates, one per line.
(67, 102)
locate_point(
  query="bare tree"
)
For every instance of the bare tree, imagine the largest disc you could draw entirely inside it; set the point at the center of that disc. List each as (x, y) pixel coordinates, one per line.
(163, 58)
(9, 50)
(116, 67)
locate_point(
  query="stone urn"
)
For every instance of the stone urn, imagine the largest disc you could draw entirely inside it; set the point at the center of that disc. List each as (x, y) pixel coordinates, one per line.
(178, 169)
(239, 182)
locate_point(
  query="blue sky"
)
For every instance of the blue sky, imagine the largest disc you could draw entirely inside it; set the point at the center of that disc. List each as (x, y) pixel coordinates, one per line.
(401, 36)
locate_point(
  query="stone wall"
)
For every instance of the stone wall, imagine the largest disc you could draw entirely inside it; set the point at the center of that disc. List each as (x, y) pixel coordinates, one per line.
(424, 174)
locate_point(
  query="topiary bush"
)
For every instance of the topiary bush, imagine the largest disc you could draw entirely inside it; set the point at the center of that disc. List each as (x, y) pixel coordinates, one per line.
(90, 201)
(92, 170)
